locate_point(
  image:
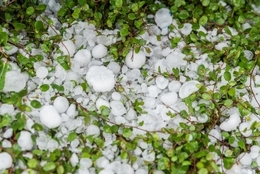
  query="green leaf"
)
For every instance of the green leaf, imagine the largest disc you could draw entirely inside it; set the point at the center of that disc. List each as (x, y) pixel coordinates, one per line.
(4, 67)
(124, 32)
(105, 111)
(227, 76)
(228, 162)
(184, 14)
(3, 38)
(82, 2)
(63, 61)
(5, 120)
(29, 11)
(19, 26)
(44, 87)
(37, 127)
(72, 136)
(163, 163)
(41, 8)
(203, 20)
(232, 92)
(38, 26)
(76, 13)
(32, 163)
(49, 166)
(127, 132)
(206, 96)
(36, 104)
(228, 102)
(119, 3)
(205, 2)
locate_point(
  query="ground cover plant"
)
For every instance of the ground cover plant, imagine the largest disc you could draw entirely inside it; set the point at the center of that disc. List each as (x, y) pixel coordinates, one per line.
(129, 86)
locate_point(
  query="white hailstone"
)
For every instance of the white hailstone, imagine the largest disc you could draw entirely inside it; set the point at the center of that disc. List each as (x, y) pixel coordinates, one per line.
(6, 144)
(78, 90)
(148, 51)
(61, 104)
(25, 140)
(85, 163)
(150, 102)
(102, 162)
(169, 99)
(100, 78)
(221, 45)
(8, 133)
(175, 60)
(254, 151)
(214, 135)
(83, 57)
(15, 81)
(188, 88)
(13, 50)
(160, 65)
(151, 122)
(71, 75)
(74, 159)
(99, 51)
(67, 47)
(245, 159)
(116, 96)
(42, 72)
(52, 145)
(186, 29)
(93, 130)
(106, 171)
(158, 172)
(161, 82)
(245, 130)
(114, 66)
(163, 18)
(106, 40)
(117, 108)
(50, 117)
(231, 123)
(235, 169)
(153, 91)
(248, 54)
(6, 109)
(203, 118)
(71, 111)
(135, 60)
(174, 86)
(141, 171)
(6, 160)
(258, 161)
(101, 102)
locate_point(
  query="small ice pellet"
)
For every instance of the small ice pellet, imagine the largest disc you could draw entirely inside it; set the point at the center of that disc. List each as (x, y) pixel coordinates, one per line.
(116, 96)
(78, 90)
(42, 72)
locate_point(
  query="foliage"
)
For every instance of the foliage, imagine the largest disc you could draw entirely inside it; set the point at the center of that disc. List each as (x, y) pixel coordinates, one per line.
(187, 149)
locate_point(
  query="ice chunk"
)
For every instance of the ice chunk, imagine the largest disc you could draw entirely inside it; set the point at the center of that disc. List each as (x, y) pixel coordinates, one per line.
(245, 159)
(135, 60)
(100, 78)
(71, 112)
(6, 160)
(153, 91)
(214, 135)
(175, 60)
(169, 99)
(116, 96)
(50, 117)
(106, 171)
(61, 104)
(161, 82)
(245, 129)
(186, 29)
(254, 151)
(93, 130)
(99, 51)
(85, 163)
(83, 57)
(6, 109)
(174, 86)
(15, 81)
(101, 102)
(67, 47)
(102, 162)
(8, 133)
(188, 88)
(42, 72)
(118, 108)
(163, 18)
(114, 66)
(74, 159)
(25, 140)
(231, 123)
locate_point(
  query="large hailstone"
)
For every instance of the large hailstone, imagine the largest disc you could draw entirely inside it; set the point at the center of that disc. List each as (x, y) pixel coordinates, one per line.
(15, 81)
(50, 117)
(61, 104)
(67, 47)
(99, 51)
(231, 123)
(188, 88)
(100, 78)
(135, 61)
(6, 160)
(163, 18)
(83, 57)
(25, 140)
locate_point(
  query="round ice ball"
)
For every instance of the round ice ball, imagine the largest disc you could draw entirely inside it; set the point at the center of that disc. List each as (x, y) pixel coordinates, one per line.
(6, 160)
(163, 18)
(61, 104)
(93, 130)
(42, 72)
(83, 57)
(25, 140)
(245, 159)
(102, 162)
(136, 60)
(67, 47)
(99, 51)
(49, 117)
